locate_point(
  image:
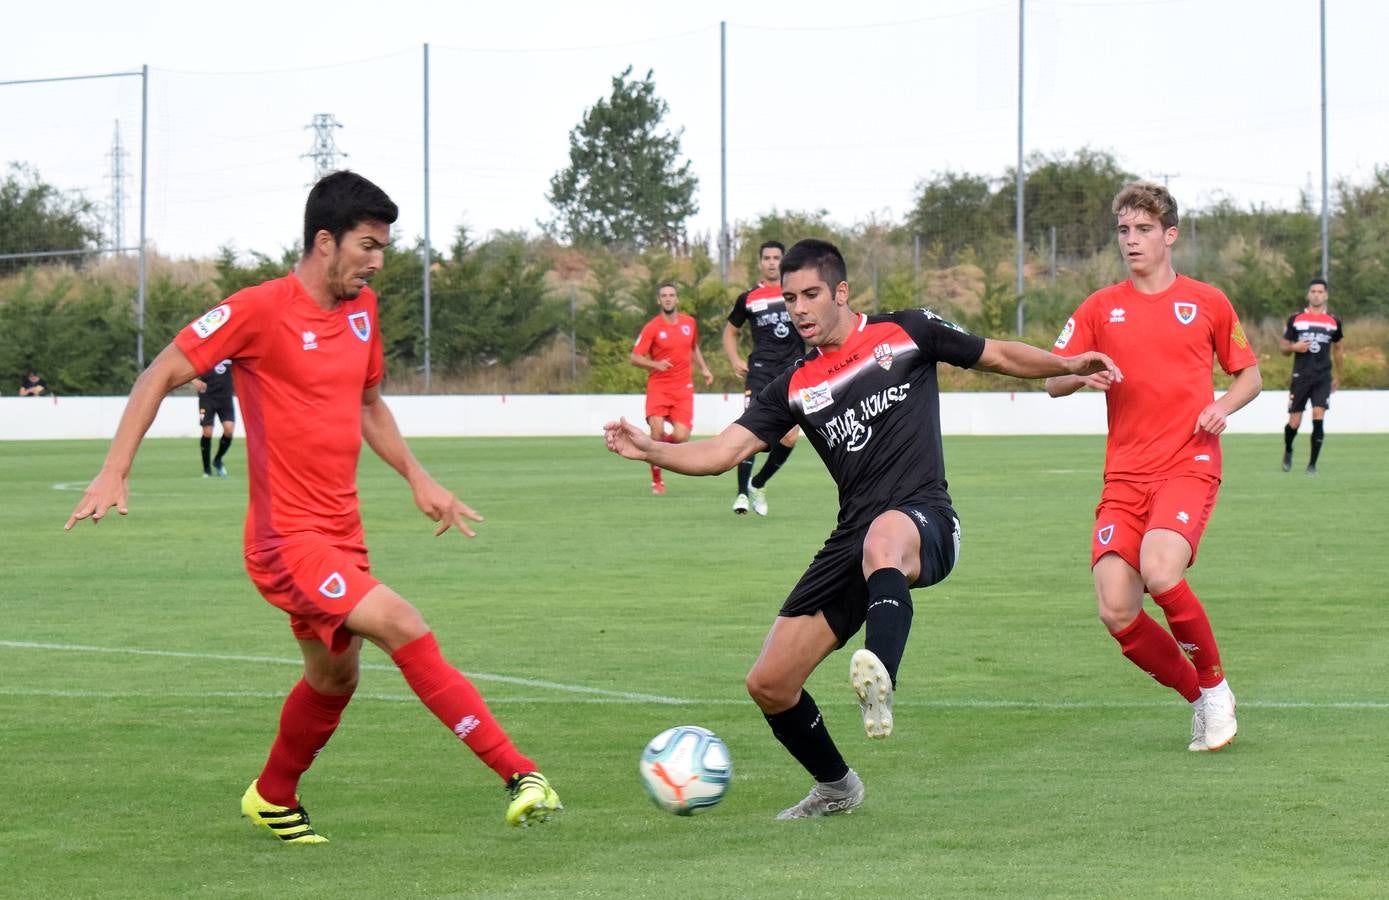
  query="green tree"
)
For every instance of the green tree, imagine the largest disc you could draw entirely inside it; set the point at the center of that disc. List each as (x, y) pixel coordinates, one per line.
(36, 217)
(1071, 193)
(624, 186)
(954, 211)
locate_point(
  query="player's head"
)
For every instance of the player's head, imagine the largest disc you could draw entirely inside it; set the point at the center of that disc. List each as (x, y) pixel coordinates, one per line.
(347, 221)
(667, 297)
(769, 260)
(1317, 292)
(1146, 223)
(815, 286)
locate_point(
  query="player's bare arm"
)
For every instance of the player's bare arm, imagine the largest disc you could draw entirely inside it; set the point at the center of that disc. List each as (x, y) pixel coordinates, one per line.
(110, 487)
(1246, 386)
(730, 349)
(1065, 385)
(646, 362)
(1340, 366)
(711, 456)
(1025, 361)
(703, 369)
(382, 434)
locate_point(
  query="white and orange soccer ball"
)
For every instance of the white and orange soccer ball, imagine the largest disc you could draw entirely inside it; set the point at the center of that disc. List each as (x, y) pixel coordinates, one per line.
(686, 769)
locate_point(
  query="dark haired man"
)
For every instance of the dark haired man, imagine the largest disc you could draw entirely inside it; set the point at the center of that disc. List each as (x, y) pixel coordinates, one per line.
(301, 343)
(775, 347)
(1316, 370)
(1162, 456)
(867, 398)
(215, 404)
(665, 349)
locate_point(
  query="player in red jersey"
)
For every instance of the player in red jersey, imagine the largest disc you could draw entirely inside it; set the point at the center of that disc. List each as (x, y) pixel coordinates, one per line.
(867, 399)
(665, 348)
(1162, 463)
(1307, 336)
(306, 347)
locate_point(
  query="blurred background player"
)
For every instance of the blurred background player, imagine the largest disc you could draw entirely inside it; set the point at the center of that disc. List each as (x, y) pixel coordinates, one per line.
(775, 347)
(215, 402)
(1162, 459)
(32, 385)
(1308, 336)
(867, 398)
(665, 348)
(309, 365)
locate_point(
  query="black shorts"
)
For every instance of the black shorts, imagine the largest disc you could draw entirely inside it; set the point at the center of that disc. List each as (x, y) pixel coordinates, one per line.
(834, 582)
(218, 407)
(1316, 388)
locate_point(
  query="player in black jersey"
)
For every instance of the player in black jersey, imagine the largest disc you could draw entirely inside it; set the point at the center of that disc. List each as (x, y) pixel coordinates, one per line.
(1313, 336)
(215, 402)
(867, 398)
(775, 348)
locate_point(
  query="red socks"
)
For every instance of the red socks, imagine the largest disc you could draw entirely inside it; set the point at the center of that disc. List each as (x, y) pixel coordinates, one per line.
(1187, 619)
(307, 720)
(454, 700)
(1148, 646)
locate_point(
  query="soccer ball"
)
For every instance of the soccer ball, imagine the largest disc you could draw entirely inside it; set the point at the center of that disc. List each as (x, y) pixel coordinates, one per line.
(686, 769)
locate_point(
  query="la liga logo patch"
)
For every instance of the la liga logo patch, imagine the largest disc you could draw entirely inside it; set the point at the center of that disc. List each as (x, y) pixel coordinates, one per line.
(212, 320)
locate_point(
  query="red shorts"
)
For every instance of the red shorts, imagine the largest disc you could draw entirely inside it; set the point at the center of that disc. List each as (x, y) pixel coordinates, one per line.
(676, 407)
(1130, 509)
(318, 582)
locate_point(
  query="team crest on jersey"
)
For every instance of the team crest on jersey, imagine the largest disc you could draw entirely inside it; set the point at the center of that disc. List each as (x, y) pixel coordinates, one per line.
(1105, 534)
(333, 587)
(1065, 337)
(212, 320)
(361, 325)
(685, 330)
(816, 397)
(883, 355)
(1185, 310)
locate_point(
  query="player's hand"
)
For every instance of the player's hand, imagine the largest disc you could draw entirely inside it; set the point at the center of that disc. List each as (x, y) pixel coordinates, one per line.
(626, 439)
(1100, 381)
(439, 503)
(1093, 362)
(1212, 419)
(660, 365)
(106, 490)
(740, 367)
(1335, 384)
(708, 378)
(1302, 346)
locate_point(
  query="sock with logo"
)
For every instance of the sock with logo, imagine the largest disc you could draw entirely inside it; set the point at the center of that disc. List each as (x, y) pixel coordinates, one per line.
(745, 473)
(775, 457)
(655, 474)
(1192, 629)
(1318, 433)
(205, 444)
(1289, 435)
(802, 731)
(889, 618)
(222, 447)
(453, 699)
(1148, 646)
(307, 720)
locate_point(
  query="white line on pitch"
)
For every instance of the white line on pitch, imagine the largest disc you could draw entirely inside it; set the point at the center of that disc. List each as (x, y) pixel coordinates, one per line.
(286, 661)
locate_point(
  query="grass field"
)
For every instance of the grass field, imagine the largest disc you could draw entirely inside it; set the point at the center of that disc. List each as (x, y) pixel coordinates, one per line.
(142, 677)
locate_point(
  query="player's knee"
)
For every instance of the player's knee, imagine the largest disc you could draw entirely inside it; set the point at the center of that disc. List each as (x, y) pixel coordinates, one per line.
(1161, 575)
(1117, 617)
(333, 682)
(769, 696)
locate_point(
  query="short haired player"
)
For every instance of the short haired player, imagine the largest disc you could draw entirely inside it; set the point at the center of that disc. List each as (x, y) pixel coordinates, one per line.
(1313, 336)
(1162, 459)
(308, 352)
(866, 397)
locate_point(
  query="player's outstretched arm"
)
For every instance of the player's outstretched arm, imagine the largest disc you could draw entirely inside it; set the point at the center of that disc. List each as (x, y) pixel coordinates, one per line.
(1026, 361)
(111, 485)
(711, 456)
(382, 434)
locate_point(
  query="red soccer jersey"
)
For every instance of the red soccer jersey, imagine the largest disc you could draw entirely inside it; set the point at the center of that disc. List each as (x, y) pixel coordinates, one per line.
(1163, 343)
(675, 342)
(300, 372)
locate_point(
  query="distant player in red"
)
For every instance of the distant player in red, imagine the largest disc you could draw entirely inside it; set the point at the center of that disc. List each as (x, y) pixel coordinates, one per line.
(665, 348)
(1162, 464)
(1313, 336)
(307, 350)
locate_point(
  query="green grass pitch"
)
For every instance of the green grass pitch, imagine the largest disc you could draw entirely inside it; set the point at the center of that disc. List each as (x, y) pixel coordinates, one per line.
(141, 676)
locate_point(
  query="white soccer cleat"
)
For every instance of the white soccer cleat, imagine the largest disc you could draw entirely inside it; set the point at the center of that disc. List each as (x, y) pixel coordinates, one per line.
(740, 504)
(828, 800)
(1216, 710)
(870, 681)
(758, 496)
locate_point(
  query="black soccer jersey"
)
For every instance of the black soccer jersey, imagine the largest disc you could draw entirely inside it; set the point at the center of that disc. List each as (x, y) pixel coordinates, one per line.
(1320, 331)
(218, 380)
(871, 409)
(775, 343)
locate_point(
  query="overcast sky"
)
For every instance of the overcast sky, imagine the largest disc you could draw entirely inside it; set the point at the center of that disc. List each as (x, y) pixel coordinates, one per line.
(845, 107)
